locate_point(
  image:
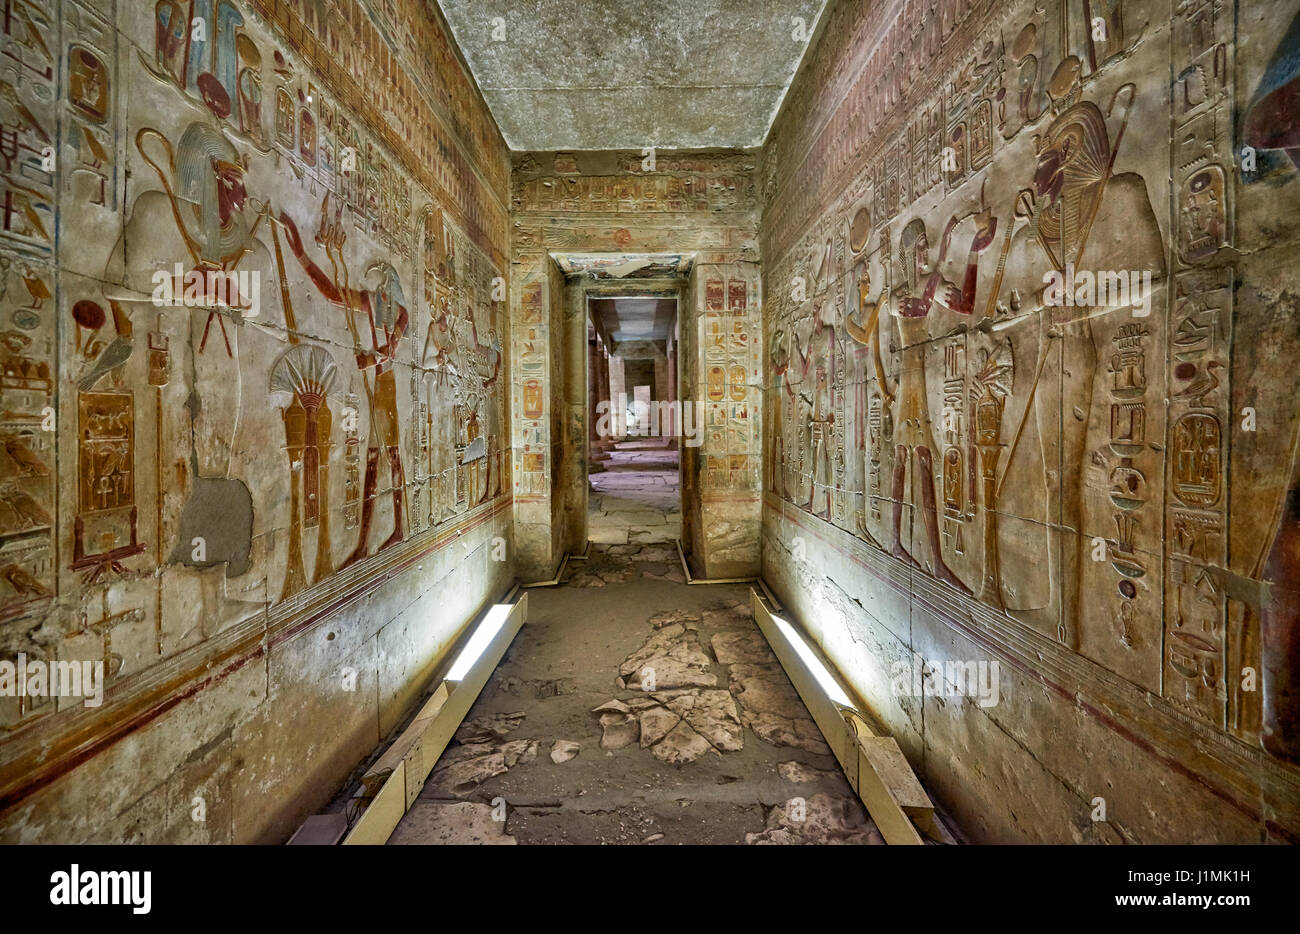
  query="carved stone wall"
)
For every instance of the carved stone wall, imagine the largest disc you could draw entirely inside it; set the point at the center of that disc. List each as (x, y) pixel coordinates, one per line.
(701, 203)
(1028, 324)
(252, 276)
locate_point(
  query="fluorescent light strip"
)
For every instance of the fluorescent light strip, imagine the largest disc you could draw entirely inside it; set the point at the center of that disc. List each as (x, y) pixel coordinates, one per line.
(478, 643)
(829, 684)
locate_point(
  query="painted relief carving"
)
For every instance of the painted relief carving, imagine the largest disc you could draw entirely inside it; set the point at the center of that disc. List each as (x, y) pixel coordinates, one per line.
(1082, 432)
(186, 358)
(383, 311)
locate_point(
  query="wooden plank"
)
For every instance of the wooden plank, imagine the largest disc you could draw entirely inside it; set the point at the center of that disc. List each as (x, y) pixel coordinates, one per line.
(320, 830)
(825, 712)
(889, 763)
(868, 761)
(893, 824)
(414, 754)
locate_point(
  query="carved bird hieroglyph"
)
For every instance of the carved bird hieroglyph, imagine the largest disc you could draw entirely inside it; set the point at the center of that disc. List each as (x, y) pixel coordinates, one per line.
(22, 582)
(27, 463)
(115, 354)
(1195, 393)
(21, 510)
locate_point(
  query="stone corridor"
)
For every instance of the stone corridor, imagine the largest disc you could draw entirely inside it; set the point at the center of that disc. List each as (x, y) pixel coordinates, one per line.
(569, 737)
(636, 499)
(718, 421)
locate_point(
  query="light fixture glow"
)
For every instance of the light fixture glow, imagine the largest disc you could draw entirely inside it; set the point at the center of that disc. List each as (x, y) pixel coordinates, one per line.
(828, 682)
(478, 643)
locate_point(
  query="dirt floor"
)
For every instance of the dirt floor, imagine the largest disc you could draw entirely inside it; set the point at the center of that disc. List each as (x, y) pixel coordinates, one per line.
(634, 709)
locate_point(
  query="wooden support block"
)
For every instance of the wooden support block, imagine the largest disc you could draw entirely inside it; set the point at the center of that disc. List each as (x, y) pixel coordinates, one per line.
(889, 763)
(894, 825)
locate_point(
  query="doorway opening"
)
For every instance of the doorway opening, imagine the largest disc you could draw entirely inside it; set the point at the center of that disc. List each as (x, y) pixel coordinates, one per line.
(634, 419)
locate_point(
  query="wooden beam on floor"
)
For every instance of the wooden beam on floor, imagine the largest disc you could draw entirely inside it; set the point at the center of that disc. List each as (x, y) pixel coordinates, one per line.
(559, 572)
(681, 553)
(874, 765)
(392, 784)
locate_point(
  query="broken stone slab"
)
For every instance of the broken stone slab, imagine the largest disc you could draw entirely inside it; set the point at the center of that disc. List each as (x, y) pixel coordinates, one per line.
(795, 732)
(616, 575)
(665, 672)
(562, 750)
(521, 750)
(681, 744)
(612, 706)
(800, 772)
(714, 716)
(772, 709)
(492, 728)
(656, 724)
(658, 643)
(670, 576)
(819, 820)
(463, 768)
(765, 689)
(671, 657)
(619, 730)
(553, 687)
(671, 617)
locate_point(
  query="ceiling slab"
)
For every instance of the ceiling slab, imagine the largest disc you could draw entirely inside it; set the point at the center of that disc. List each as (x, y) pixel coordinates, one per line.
(673, 74)
(635, 318)
(625, 265)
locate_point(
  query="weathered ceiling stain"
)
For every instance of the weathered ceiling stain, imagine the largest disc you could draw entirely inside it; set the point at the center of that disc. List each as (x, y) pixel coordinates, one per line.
(573, 74)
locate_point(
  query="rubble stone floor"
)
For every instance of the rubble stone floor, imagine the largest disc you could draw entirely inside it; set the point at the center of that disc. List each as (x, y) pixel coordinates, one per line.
(636, 498)
(635, 709)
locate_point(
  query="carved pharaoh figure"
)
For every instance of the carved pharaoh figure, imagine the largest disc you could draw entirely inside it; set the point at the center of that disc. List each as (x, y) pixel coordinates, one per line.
(386, 316)
(924, 286)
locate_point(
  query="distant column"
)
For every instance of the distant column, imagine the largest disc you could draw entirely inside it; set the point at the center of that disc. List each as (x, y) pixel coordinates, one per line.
(601, 371)
(594, 353)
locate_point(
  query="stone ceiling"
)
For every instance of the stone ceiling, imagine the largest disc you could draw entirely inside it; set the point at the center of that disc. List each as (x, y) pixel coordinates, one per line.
(635, 318)
(597, 74)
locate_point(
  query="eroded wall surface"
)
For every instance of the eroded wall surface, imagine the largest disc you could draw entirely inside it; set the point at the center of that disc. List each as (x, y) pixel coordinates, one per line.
(679, 202)
(1086, 485)
(264, 498)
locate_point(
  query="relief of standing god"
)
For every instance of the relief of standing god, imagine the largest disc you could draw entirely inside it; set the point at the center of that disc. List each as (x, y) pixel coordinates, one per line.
(200, 223)
(920, 287)
(383, 309)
